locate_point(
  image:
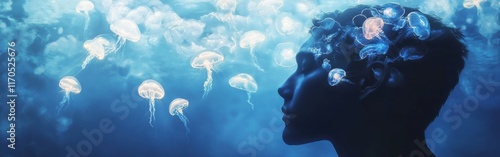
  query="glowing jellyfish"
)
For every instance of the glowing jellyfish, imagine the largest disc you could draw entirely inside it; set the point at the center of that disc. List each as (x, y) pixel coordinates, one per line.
(411, 53)
(373, 49)
(107, 42)
(335, 76)
(284, 54)
(326, 64)
(207, 60)
(419, 24)
(69, 84)
(151, 90)
(392, 12)
(225, 11)
(372, 27)
(244, 82)
(286, 25)
(85, 7)
(250, 39)
(176, 108)
(95, 50)
(126, 29)
(473, 3)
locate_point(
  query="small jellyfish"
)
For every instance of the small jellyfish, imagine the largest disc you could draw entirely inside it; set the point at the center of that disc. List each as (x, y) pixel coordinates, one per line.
(207, 60)
(244, 82)
(372, 27)
(284, 54)
(286, 25)
(85, 7)
(126, 29)
(335, 76)
(151, 90)
(69, 84)
(473, 3)
(391, 12)
(419, 24)
(326, 64)
(373, 49)
(410, 53)
(107, 42)
(250, 39)
(176, 109)
(95, 50)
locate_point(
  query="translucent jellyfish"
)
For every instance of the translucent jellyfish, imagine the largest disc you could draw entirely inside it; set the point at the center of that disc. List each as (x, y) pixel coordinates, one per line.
(151, 90)
(176, 108)
(372, 27)
(284, 54)
(139, 14)
(335, 76)
(244, 82)
(250, 39)
(207, 60)
(85, 7)
(419, 24)
(326, 64)
(373, 49)
(126, 29)
(411, 53)
(392, 12)
(95, 50)
(473, 3)
(69, 84)
(225, 11)
(107, 42)
(287, 25)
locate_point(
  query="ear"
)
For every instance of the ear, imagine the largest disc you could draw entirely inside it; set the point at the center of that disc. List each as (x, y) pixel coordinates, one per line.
(377, 74)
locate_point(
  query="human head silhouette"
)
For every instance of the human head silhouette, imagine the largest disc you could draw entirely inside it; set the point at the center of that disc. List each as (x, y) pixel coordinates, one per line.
(395, 82)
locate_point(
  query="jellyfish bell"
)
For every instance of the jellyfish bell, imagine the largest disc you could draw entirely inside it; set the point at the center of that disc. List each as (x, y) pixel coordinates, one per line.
(95, 50)
(419, 24)
(151, 90)
(207, 60)
(284, 54)
(251, 39)
(286, 25)
(126, 29)
(68, 84)
(226, 6)
(244, 82)
(107, 41)
(372, 27)
(335, 76)
(392, 12)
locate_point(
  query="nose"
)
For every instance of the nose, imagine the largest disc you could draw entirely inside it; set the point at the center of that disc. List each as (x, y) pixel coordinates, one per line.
(285, 91)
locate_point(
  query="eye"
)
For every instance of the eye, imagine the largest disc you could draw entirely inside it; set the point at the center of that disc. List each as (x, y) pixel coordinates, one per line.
(307, 65)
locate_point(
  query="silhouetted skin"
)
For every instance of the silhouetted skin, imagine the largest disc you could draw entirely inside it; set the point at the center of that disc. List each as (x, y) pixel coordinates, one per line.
(366, 117)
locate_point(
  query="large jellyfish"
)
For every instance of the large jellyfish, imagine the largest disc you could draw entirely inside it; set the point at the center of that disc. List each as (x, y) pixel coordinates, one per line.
(250, 39)
(419, 24)
(207, 60)
(69, 84)
(85, 7)
(126, 29)
(176, 107)
(151, 90)
(284, 54)
(244, 82)
(95, 50)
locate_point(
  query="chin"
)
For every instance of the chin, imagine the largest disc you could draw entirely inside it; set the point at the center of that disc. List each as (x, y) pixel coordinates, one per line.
(293, 136)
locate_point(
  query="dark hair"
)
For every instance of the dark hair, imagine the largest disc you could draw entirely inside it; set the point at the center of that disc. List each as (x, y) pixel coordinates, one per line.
(428, 80)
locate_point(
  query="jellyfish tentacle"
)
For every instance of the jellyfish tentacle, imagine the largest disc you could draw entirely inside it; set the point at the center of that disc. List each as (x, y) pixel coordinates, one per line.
(208, 83)
(248, 100)
(64, 103)
(254, 58)
(151, 110)
(184, 120)
(87, 21)
(87, 60)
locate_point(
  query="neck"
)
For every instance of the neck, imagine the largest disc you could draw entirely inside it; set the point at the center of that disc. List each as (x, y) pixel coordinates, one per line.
(370, 142)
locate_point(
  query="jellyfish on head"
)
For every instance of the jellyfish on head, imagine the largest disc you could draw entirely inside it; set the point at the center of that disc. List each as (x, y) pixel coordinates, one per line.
(126, 29)
(244, 82)
(372, 28)
(419, 25)
(336, 75)
(151, 90)
(176, 109)
(69, 84)
(251, 39)
(85, 6)
(94, 49)
(392, 12)
(207, 60)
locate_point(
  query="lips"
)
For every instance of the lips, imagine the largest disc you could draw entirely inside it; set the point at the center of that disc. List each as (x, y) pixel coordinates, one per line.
(287, 116)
